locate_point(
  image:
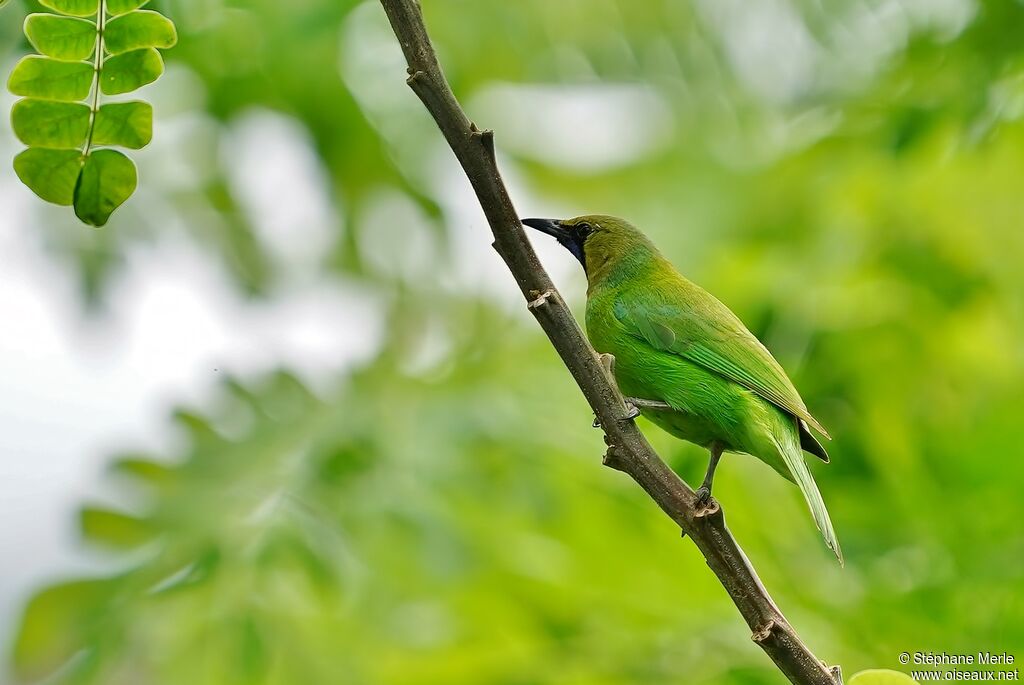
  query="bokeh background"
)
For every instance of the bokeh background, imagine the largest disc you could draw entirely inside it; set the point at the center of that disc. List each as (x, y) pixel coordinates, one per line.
(286, 420)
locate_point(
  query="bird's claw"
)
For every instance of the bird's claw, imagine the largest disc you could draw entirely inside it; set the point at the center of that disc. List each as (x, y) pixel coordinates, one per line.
(640, 403)
(703, 495)
(608, 363)
(632, 411)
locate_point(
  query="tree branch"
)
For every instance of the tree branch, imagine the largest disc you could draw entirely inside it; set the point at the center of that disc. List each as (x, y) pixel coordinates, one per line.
(628, 450)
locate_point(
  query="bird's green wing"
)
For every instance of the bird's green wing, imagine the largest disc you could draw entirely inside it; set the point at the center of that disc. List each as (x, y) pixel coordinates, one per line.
(699, 328)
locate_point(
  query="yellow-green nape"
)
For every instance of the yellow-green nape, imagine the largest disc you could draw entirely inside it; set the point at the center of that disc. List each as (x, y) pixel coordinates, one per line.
(602, 222)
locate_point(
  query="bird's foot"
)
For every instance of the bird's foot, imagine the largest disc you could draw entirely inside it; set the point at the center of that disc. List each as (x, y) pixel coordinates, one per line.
(608, 364)
(704, 491)
(706, 505)
(632, 411)
(638, 403)
(633, 405)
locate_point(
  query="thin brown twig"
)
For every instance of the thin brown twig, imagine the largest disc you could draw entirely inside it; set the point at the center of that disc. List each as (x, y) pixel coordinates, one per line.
(628, 450)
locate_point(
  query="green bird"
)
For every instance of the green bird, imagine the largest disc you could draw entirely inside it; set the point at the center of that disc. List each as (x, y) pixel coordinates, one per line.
(686, 360)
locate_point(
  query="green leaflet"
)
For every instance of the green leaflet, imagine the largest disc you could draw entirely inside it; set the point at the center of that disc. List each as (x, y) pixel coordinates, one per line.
(50, 79)
(51, 174)
(130, 71)
(108, 178)
(139, 29)
(114, 528)
(76, 8)
(142, 471)
(41, 123)
(116, 7)
(64, 38)
(61, 118)
(127, 124)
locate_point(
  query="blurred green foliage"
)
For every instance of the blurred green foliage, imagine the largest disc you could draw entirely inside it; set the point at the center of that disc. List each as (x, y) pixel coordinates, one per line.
(440, 516)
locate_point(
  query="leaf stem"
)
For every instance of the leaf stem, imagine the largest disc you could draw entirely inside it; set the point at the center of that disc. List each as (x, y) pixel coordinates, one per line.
(101, 24)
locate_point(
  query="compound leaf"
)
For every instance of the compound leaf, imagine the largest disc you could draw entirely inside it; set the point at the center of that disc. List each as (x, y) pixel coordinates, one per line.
(108, 178)
(128, 124)
(124, 73)
(51, 79)
(76, 8)
(63, 38)
(139, 29)
(43, 123)
(50, 174)
(61, 164)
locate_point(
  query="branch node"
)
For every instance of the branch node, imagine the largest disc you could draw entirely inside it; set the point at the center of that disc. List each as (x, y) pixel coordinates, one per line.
(415, 76)
(764, 632)
(837, 673)
(486, 138)
(613, 459)
(709, 509)
(541, 300)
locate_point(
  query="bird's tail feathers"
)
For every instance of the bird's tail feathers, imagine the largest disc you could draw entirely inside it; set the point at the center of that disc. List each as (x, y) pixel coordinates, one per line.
(791, 453)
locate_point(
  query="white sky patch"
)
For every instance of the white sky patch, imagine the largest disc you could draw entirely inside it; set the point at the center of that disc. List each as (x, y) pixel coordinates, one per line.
(767, 44)
(179, 306)
(371, 61)
(867, 34)
(282, 187)
(397, 239)
(587, 127)
(776, 57)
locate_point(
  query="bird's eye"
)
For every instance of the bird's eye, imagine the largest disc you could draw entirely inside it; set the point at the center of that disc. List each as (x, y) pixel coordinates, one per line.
(584, 228)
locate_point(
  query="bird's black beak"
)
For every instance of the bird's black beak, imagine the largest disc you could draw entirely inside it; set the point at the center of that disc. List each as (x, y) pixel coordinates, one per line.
(571, 239)
(552, 227)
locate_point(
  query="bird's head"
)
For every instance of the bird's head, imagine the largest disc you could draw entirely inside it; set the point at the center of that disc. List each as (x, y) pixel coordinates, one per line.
(597, 240)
